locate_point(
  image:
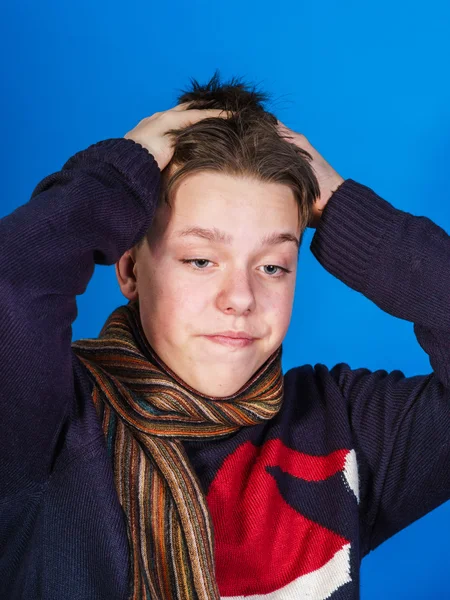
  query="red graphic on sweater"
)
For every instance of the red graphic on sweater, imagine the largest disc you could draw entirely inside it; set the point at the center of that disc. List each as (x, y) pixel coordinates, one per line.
(259, 537)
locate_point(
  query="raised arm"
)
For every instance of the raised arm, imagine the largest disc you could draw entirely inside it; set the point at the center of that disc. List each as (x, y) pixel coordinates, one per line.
(89, 213)
(93, 210)
(401, 425)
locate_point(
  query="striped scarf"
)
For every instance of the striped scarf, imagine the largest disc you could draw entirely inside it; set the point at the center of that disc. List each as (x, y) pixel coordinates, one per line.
(146, 411)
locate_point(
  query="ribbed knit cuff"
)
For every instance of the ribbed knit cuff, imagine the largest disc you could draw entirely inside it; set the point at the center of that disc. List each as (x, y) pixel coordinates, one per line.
(130, 158)
(352, 225)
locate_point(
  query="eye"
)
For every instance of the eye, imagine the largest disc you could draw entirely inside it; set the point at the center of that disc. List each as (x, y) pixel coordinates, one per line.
(282, 269)
(196, 260)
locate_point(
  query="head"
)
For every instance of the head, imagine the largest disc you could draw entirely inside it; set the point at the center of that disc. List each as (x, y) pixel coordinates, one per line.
(222, 250)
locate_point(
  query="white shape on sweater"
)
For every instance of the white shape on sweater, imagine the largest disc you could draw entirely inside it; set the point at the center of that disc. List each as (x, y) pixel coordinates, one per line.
(318, 585)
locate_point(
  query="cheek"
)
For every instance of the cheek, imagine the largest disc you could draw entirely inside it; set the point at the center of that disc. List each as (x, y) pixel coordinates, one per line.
(179, 305)
(278, 309)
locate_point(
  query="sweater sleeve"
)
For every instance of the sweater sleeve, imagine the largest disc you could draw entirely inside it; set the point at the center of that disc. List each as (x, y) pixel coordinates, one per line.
(98, 206)
(400, 425)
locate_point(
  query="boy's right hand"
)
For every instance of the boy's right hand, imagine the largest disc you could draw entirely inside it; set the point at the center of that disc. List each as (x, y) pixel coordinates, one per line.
(151, 131)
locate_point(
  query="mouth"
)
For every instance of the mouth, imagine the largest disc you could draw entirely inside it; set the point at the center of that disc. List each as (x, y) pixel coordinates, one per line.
(233, 342)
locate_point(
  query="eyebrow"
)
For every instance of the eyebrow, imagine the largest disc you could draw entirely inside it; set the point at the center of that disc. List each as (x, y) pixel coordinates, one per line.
(215, 235)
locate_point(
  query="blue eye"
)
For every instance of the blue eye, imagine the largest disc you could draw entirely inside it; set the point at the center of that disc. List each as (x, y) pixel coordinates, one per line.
(277, 274)
(274, 267)
(194, 260)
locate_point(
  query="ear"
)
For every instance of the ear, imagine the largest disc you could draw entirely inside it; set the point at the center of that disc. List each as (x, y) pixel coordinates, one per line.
(126, 274)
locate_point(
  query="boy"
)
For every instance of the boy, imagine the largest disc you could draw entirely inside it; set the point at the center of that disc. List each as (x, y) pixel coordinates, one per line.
(170, 457)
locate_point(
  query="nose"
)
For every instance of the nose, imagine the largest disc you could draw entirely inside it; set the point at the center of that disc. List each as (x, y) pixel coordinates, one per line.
(236, 294)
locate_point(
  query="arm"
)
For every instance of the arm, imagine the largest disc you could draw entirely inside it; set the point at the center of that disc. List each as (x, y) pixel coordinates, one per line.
(90, 212)
(401, 425)
(97, 207)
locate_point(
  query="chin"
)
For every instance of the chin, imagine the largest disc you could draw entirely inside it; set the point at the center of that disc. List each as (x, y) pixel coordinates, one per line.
(221, 386)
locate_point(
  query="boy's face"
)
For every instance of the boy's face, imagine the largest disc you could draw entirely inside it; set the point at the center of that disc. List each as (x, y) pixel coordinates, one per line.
(232, 286)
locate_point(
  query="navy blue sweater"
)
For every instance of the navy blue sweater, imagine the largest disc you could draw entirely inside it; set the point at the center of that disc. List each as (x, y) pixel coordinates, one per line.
(352, 457)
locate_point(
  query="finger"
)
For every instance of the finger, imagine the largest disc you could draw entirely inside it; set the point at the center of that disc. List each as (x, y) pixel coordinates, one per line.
(199, 114)
(282, 127)
(182, 106)
(212, 112)
(185, 105)
(284, 131)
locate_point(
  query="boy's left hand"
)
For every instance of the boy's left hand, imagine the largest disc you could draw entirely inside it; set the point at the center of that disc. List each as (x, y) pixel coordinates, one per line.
(329, 180)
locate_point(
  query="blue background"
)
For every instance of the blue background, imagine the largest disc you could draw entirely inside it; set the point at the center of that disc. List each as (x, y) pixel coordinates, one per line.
(367, 84)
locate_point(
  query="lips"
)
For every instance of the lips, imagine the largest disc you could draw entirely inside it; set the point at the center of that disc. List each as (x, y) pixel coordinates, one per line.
(241, 335)
(233, 342)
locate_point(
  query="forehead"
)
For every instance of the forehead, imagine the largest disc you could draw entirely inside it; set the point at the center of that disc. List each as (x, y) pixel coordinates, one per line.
(210, 199)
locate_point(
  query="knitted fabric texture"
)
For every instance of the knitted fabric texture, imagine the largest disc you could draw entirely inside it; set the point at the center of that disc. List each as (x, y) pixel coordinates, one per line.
(146, 411)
